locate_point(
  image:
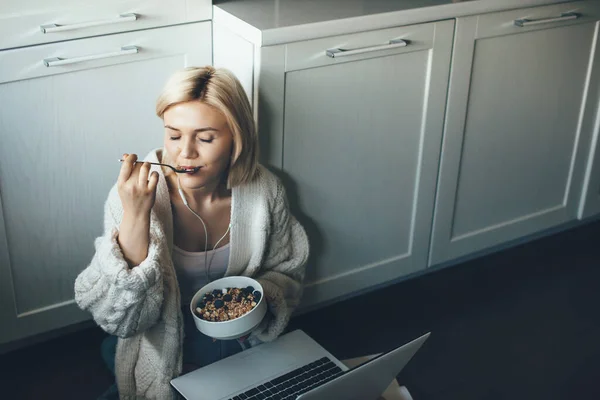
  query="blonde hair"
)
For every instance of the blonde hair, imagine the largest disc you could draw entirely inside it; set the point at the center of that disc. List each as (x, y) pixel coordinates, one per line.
(219, 88)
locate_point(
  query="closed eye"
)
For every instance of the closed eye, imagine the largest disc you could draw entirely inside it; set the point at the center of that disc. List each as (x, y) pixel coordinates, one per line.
(206, 140)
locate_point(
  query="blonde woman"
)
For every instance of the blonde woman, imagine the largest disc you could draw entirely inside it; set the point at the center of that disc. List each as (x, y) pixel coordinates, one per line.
(167, 234)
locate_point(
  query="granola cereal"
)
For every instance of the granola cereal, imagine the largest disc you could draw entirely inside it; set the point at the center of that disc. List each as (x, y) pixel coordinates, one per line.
(227, 304)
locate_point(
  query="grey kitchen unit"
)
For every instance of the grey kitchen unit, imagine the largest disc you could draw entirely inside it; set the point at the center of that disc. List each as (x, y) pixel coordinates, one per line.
(395, 170)
(521, 115)
(64, 125)
(409, 134)
(360, 138)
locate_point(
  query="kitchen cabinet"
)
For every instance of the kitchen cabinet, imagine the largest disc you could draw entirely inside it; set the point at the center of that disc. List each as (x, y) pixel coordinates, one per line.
(353, 123)
(69, 111)
(403, 143)
(521, 115)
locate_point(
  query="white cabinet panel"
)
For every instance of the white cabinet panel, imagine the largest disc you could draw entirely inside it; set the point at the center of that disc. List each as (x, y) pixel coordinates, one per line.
(536, 18)
(384, 42)
(30, 62)
(516, 134)
(361, 143)
(21, 21)
(61, 137)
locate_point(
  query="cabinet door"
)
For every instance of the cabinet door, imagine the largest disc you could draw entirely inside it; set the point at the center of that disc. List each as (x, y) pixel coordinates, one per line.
(361, 142)
(517, 128)
(590, 196)
(63, 129)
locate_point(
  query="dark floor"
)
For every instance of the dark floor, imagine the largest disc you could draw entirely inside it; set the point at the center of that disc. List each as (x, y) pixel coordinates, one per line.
(520, 324)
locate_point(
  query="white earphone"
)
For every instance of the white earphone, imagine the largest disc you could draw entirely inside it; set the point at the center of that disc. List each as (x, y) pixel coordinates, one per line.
(181, 193)
(206, 265)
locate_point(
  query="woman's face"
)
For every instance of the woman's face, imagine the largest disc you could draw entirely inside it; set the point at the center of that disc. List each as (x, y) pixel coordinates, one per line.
(197, 135)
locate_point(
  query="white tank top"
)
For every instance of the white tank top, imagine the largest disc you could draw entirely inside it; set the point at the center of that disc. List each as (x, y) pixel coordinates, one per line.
(190, 269)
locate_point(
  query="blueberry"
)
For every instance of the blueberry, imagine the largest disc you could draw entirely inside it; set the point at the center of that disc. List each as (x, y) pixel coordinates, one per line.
(256, 295)
(202, 304)
(208, 297)
(216, 292)
(239, 298)
(227, 297)
(219, 304)
(249, 290)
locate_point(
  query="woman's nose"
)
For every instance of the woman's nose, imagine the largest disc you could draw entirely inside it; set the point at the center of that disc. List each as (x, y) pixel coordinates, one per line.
(188, 149)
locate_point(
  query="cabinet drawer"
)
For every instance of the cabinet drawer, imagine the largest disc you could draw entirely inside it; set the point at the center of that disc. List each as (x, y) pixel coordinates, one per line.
(339, 49)
(523, 20)
(22, 23)
(57, 58)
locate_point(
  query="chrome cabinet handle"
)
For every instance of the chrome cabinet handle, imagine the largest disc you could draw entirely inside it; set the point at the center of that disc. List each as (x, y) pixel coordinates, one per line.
(56, 61)
(529, 22)
(49, 28)
(338, 52)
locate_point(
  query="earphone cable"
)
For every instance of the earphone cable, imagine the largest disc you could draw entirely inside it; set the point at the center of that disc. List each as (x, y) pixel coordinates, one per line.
(206, 262)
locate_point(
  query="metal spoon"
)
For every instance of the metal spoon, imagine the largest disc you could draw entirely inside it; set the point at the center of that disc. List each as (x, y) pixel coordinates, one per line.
(179, 171)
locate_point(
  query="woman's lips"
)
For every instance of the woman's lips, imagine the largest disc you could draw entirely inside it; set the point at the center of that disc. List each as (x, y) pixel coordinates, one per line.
(189, 169)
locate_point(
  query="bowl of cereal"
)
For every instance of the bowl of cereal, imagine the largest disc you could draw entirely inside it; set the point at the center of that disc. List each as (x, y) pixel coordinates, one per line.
(229, 308)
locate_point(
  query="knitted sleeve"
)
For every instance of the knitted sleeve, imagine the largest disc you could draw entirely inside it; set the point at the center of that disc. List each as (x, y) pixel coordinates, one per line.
(282, 272)
(123, 301)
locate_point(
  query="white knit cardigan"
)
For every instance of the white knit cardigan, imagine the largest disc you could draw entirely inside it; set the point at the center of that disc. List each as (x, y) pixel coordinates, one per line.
(141, 305)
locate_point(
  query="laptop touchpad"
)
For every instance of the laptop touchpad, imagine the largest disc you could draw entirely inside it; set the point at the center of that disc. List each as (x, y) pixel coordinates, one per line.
(240, 371)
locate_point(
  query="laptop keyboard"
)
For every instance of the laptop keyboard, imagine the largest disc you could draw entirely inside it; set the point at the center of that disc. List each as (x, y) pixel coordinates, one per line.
(295, 383)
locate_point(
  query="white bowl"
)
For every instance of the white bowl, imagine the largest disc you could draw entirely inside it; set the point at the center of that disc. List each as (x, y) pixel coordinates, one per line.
(235, 328)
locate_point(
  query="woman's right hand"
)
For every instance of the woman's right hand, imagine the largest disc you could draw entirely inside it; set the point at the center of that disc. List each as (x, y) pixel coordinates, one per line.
(137, 191)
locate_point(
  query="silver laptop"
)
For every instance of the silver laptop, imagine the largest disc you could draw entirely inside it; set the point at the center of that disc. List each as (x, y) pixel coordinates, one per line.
(294, 367)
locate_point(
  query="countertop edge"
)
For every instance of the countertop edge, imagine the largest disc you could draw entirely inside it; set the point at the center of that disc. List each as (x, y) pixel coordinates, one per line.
(277, 36)
(237, 26)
